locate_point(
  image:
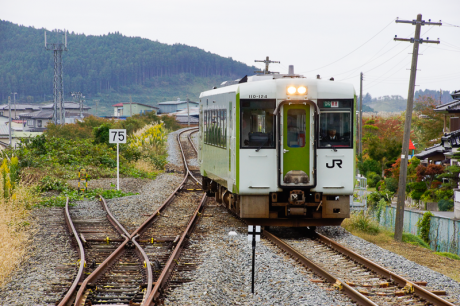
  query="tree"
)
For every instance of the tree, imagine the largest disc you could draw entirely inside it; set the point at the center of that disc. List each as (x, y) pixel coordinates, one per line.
(428, 174)
(426, 123)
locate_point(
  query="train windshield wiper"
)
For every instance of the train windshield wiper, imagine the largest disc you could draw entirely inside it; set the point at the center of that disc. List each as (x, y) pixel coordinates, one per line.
(263, 143)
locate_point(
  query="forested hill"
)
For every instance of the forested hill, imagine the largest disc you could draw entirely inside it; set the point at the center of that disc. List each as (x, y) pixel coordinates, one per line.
(110, 64)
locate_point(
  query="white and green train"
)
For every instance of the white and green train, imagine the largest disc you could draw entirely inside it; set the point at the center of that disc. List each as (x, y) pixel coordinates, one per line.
(279, 149)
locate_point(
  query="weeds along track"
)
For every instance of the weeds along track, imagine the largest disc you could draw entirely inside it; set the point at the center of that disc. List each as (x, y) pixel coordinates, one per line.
(133, 269)
(361, 279)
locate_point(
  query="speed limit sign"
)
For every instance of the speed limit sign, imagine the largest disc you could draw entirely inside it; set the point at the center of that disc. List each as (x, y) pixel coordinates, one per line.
(117, 136)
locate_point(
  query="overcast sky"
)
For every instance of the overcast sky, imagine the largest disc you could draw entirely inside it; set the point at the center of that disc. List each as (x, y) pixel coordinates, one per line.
(333, 38)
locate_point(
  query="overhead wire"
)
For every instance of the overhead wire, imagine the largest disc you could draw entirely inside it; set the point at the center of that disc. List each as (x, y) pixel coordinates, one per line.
(353, 50)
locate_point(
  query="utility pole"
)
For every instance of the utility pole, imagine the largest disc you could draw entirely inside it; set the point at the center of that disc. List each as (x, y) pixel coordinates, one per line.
(58, 83)
(97, 103)
(79, 97)
(14, 99)
(407, 125)
(188, 112)
(9, 117)
(130, 107)
(440, 96)
(267, 62)
(361, 114)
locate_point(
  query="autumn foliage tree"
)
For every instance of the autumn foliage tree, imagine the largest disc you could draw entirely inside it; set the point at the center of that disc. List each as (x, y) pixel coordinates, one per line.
(427, 125)
(429, 173)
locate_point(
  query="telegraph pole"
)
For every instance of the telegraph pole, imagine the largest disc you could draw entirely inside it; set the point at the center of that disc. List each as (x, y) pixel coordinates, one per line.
(267, 62)
(58, 83)
(9, 119)
(361, 114)
(188, 112)
(14, 99)
(410, 105)
(79, 97)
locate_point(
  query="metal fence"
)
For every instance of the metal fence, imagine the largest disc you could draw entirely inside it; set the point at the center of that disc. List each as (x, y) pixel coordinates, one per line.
(359, 196)
(444, 232)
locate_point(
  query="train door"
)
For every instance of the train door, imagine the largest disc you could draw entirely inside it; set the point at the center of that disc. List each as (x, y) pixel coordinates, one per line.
(295, 151)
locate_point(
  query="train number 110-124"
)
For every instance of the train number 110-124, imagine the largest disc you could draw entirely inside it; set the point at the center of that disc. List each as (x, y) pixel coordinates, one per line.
(258, 96)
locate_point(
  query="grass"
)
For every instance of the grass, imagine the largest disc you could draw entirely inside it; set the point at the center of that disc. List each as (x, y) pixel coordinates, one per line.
(371, 189)
(14, 229)
(448, 255)
(412, 247)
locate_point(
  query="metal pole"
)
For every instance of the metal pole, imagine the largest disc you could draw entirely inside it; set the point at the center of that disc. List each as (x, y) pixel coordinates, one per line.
(361, 114)
(14, 98)
(405, 147)
(188, 112)
(253, 260)
(118, 166)
(9, 118)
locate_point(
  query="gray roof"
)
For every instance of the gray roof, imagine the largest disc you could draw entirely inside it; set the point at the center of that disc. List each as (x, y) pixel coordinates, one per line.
(67, 105)
(20, 106)
(48, 114)
(4, 130)
(431, 151)
(449, 107)
(176, 102)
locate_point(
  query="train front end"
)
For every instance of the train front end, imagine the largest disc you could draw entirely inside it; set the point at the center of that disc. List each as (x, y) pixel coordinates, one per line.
(293, 161)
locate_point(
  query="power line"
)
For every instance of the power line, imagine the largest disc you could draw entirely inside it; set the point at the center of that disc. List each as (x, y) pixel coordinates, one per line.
(353, 50)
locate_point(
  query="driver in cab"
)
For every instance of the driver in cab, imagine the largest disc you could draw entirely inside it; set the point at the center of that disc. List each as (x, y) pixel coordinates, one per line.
(332, 135)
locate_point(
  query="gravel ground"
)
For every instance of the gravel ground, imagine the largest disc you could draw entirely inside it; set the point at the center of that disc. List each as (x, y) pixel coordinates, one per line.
(394, 262)
(131, 211)
(224, 276)
(43, 278)
(127, 184)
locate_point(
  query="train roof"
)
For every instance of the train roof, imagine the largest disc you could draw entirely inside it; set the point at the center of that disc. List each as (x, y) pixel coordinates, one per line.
(323, 89)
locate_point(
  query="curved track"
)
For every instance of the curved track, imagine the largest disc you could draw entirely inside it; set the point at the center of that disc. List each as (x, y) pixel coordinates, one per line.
(137, 271)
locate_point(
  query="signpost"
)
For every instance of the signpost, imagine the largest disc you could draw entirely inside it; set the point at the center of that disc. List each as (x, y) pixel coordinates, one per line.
(253, 236)
(117, 136)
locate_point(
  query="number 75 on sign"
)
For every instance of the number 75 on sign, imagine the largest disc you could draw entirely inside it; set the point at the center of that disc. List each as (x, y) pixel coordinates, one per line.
(117, 135)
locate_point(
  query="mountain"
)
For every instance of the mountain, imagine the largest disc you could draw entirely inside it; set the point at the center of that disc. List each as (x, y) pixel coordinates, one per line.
(396, 103)
(107, 67)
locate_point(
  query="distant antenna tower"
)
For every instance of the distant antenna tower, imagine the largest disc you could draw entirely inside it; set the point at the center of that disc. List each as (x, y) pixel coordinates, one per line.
(58, 83)
(79, 97)
(267, 62)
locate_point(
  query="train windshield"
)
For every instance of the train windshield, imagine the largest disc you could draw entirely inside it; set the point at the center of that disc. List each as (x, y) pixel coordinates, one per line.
(335, 129)
(257, 124)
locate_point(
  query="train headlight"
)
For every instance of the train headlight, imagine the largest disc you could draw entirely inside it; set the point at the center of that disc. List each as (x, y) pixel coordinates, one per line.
(302, 90)
(291, 90)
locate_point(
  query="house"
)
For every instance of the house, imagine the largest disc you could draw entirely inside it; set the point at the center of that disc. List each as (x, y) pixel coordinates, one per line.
(37, 121)
(17, 109)
(174, 106)
(130, 108)
(182, 116)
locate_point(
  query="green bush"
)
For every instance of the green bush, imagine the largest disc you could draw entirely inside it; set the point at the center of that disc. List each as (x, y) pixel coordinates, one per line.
(372, 179)
(391, 184)
(51, 183)
(423, 225)
(415, 240)
(445, 205)
(364, 223)
(380, 185)
(373, 198)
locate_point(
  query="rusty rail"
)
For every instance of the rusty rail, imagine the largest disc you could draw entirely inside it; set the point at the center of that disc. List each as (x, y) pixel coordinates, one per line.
(183, 154)
(418, 290)
(81, 269)
(352, 293)
(172, 261)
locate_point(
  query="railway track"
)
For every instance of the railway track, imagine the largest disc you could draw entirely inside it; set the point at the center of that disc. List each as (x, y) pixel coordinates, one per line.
(134, 269)
(362, 280)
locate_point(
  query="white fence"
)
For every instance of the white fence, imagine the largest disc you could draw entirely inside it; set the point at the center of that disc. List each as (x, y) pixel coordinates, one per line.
(360, 196)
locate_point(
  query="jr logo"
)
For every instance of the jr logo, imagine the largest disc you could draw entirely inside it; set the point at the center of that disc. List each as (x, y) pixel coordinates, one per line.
(334, 161)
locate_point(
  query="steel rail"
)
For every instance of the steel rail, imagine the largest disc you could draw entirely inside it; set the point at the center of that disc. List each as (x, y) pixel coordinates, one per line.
(147, 264)
(183, 155)
(81, 269)
(172, 261)
(352, 293)
(191, 141)
(418, 290)
(112, 219)
(157, 213)
(79, 300)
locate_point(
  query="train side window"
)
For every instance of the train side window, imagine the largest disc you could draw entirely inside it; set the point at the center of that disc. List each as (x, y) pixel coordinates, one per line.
(205, 131)
(257, 123)
(335, 130)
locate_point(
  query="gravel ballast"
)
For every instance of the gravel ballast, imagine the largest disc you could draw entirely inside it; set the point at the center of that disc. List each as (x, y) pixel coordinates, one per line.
(393, 262)
(47, 274)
